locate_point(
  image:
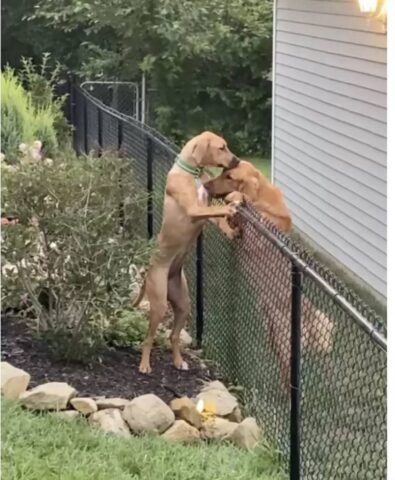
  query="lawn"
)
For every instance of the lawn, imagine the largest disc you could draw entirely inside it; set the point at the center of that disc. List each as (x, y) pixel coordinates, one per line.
(38, 447)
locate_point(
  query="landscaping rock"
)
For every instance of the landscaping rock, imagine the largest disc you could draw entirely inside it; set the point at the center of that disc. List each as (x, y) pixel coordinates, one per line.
(148, 413)
(104, 403)
(217, 428)
(217, 396)
(185, 409)
(185, 338)
(67, 414)
(110, 421)
(14, 381)
(49, 396)
(247, 434)
(84, 405)
(215, 385)
(182, 432)
(235, 416)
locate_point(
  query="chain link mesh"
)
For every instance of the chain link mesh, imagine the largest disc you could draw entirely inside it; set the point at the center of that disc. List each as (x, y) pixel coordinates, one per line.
(120, 96)
(247, 322)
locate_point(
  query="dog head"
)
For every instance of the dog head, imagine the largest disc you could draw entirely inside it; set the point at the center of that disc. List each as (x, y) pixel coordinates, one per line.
(211, 150)
(243, 178)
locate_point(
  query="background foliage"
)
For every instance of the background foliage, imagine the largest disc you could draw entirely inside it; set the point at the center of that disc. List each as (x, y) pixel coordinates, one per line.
(207, 62)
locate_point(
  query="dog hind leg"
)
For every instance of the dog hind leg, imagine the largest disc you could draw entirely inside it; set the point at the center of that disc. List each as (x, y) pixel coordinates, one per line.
(178, 296)
(156, 292)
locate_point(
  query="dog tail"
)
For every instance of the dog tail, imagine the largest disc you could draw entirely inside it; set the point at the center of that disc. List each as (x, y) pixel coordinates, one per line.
(140, 296)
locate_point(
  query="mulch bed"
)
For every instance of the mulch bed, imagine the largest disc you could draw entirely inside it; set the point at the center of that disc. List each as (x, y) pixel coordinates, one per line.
(116, 375)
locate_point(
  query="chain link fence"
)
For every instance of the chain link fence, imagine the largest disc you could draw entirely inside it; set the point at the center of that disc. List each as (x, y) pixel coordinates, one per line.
(309, 355)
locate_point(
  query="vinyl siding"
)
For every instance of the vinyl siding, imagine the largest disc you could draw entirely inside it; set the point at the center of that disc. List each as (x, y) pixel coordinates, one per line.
(329, 130)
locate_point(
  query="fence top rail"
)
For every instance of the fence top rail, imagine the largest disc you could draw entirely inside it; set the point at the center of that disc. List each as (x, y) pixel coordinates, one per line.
(151, 132)
(279, 240)
(362, 314)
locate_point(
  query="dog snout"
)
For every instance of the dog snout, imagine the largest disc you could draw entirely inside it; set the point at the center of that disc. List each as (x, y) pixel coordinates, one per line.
(234, 162)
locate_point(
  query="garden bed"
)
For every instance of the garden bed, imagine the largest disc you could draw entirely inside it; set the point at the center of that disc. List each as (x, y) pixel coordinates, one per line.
(115, 375)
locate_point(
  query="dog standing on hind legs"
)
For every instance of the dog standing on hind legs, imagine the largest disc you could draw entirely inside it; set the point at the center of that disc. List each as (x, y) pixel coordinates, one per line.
(185, 212)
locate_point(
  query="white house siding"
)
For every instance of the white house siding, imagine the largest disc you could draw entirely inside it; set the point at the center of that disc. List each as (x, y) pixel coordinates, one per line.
(329, 129)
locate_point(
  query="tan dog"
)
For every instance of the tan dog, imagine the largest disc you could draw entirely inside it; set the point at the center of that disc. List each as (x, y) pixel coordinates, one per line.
(185, 212)
(247, 182)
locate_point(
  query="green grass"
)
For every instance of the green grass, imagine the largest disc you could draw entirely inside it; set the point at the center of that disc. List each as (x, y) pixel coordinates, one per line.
(44, 447)
(262, 164)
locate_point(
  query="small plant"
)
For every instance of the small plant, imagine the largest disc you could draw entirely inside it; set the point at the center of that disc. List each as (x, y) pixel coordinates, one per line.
(67, 257)
(128, 328)
(21, 121)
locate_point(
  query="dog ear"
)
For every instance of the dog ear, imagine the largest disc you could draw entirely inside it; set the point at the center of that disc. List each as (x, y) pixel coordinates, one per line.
(250, 187)
(200, 149)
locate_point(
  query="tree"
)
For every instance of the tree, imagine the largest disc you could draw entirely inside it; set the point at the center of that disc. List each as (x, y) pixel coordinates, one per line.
(207, 62)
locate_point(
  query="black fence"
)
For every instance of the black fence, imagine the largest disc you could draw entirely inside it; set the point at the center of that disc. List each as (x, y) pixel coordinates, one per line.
(309, 354)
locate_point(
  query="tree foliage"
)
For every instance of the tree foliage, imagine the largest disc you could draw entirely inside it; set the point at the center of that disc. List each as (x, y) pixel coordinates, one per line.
(207, 62)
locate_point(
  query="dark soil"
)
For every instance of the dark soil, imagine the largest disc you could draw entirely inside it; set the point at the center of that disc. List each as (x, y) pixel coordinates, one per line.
(115, 375)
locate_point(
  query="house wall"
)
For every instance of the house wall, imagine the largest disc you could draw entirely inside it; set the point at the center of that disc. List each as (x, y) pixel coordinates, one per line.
(329, 130)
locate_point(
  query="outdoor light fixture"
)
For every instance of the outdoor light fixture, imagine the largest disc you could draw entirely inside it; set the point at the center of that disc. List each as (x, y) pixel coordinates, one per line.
(368, 6)
(377, 8)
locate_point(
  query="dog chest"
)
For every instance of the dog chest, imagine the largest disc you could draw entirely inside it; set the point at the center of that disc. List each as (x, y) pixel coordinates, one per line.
(201, 191)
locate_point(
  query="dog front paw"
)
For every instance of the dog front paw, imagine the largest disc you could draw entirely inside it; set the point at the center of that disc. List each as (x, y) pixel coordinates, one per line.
(235, 198)
(232, 232)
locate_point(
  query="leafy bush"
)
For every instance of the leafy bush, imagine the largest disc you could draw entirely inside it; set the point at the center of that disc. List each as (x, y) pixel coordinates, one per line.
(68, 257)
(21, 121)
(41, 82)
(16, 115)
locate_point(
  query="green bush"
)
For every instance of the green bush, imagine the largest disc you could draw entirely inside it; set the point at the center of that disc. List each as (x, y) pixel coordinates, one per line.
(16, 115)
(68, 258)
(21, 121)
(41, 81)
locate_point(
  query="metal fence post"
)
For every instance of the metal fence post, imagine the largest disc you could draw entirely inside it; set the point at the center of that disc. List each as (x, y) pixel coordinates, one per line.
(85, 125)
(120, 154)
(199, 291)
(100, 129)
(72, 110)
(150, 216)
(296, 320)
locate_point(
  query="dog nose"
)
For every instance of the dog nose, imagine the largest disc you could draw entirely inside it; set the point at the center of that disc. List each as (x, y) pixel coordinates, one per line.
(234, 162)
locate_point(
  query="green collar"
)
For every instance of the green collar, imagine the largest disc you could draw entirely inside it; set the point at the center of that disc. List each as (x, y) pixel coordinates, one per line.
(195, 171)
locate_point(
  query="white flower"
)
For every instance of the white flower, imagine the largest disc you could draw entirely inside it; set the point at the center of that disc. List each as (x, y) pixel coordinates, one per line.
(23, 147)
(8, 269)
(53, 246)
(48, 162)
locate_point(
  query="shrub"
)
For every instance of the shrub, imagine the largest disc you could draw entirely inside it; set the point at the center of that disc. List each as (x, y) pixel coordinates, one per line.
(68, 256)
(21, 120)
(17, 119)
(41, 82)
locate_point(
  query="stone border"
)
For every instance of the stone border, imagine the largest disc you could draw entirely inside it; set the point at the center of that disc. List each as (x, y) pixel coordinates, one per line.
(213, 415)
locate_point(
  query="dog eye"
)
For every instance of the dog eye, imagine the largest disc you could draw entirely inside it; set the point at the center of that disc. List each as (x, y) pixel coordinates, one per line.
(222, 147)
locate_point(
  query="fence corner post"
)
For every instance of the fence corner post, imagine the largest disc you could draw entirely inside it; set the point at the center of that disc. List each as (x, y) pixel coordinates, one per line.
(199, 292)
(86, 148)
(150, 213)
(100, 130)
(295, 393)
